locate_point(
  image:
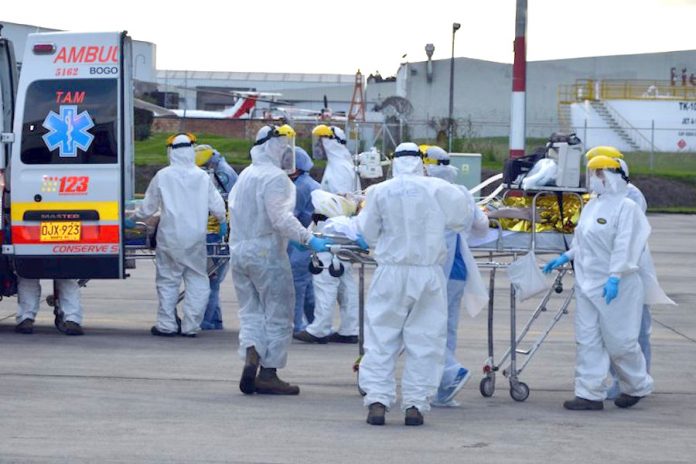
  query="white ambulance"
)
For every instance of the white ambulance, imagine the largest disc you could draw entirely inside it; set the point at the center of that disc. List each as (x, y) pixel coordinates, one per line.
(70, 170)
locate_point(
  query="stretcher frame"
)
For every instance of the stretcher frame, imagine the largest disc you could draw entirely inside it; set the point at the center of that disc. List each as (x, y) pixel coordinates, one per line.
(519, 391)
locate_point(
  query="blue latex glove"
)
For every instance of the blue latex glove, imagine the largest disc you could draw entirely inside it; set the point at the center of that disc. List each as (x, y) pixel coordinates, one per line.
(558, 262)
(319, 244)
(362, 243)
(223, 230)
(611, 289)
(129, 223)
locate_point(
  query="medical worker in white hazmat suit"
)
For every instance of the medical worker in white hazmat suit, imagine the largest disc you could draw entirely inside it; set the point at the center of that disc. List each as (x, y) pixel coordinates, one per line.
(261, 223)
(404, 223)
(184, 194)
(653, 292)
(609, 240)
(340, 178)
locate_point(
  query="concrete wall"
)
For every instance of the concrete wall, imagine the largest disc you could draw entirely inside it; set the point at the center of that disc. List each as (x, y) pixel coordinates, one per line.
(482, 89)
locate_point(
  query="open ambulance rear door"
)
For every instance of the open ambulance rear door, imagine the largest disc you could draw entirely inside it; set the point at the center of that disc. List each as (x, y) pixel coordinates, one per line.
(72, 166)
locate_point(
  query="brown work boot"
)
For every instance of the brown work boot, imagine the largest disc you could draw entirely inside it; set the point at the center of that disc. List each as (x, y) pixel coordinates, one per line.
(25, 327)
(413, 416)
(248, 382)
(268, 383)
(375, 414)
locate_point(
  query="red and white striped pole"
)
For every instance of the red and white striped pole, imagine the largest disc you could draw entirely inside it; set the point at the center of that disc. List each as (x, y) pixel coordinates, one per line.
(519, 78)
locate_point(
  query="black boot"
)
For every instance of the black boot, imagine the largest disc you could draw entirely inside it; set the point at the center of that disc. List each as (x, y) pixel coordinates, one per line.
(626, 401)
(375, 415)
(25, 327)
(248, 382)
(307, 337)
(268, 383)
(581, 404)
(413, 416)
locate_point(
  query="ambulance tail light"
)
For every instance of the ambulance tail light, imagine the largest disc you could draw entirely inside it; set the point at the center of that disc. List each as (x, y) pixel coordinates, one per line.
(44, 49)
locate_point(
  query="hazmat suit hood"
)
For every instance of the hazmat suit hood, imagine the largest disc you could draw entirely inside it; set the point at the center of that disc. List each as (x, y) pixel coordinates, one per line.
(182, 156)
(407, 164)
(448, 173)
(270, 151)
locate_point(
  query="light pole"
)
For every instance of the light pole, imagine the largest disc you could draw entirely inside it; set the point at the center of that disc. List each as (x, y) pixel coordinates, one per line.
(455, 28)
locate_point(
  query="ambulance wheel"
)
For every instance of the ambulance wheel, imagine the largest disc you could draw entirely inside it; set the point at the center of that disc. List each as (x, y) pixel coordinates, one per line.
(487, 387)
(519, 391)
(314, 269)
(336, 272)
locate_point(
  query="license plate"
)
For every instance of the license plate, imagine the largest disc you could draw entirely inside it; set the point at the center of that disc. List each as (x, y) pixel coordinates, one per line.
(60, 231)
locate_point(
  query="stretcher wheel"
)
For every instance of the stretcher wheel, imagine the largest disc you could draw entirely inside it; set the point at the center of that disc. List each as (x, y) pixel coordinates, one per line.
(558, 288)
(58, 321)
(51, 300)
(314, 269)
(336, 272)
(487, 387)
(519, 391)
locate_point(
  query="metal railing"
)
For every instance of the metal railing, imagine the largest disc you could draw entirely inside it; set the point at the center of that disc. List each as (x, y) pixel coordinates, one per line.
(611, 89)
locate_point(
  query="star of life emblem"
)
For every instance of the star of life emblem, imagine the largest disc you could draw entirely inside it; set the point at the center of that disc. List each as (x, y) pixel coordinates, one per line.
(68, 131)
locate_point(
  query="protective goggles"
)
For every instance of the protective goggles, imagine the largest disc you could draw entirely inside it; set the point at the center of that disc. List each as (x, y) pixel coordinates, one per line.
(399, 154)
(171, 144)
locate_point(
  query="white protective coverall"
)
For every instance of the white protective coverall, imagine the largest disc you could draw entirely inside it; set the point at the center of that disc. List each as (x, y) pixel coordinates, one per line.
(29, 295)
(184, 194)
(472, 291)
(404, 223)
(609, 240)
(340, 178)
(261, 207)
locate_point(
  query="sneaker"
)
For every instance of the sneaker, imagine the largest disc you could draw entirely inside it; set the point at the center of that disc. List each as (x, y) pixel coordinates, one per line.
(189, 335)
(159, 333)
(25, 327)
(413, 416)
(436, 403)
(626, 401)
(445, 395)
(581, 404)
(307, 337)
(338, 338)
(375, 414)
(247, 383)
(268, 383)
(72, 328)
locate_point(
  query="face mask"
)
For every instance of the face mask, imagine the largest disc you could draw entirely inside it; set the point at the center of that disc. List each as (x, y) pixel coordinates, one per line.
(597, 185)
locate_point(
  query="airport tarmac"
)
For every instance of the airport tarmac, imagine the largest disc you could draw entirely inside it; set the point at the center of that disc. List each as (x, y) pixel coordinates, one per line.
(120, 395)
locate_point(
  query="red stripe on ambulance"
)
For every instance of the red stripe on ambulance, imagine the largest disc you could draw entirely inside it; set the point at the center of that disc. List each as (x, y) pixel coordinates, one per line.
(27, 235)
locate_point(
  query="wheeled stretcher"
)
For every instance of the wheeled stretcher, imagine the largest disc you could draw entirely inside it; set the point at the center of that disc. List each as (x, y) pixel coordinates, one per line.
(497, 251)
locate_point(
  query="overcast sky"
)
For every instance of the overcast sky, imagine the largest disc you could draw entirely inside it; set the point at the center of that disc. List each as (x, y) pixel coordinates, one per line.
(340, 37)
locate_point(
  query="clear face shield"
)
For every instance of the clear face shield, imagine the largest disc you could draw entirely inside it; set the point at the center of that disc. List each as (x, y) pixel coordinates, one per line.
(594, 181)
(318, 150)
(281, 147)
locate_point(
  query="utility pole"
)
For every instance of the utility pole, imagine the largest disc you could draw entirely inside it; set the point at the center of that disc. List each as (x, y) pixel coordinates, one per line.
(519, 77)
(455, 28)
